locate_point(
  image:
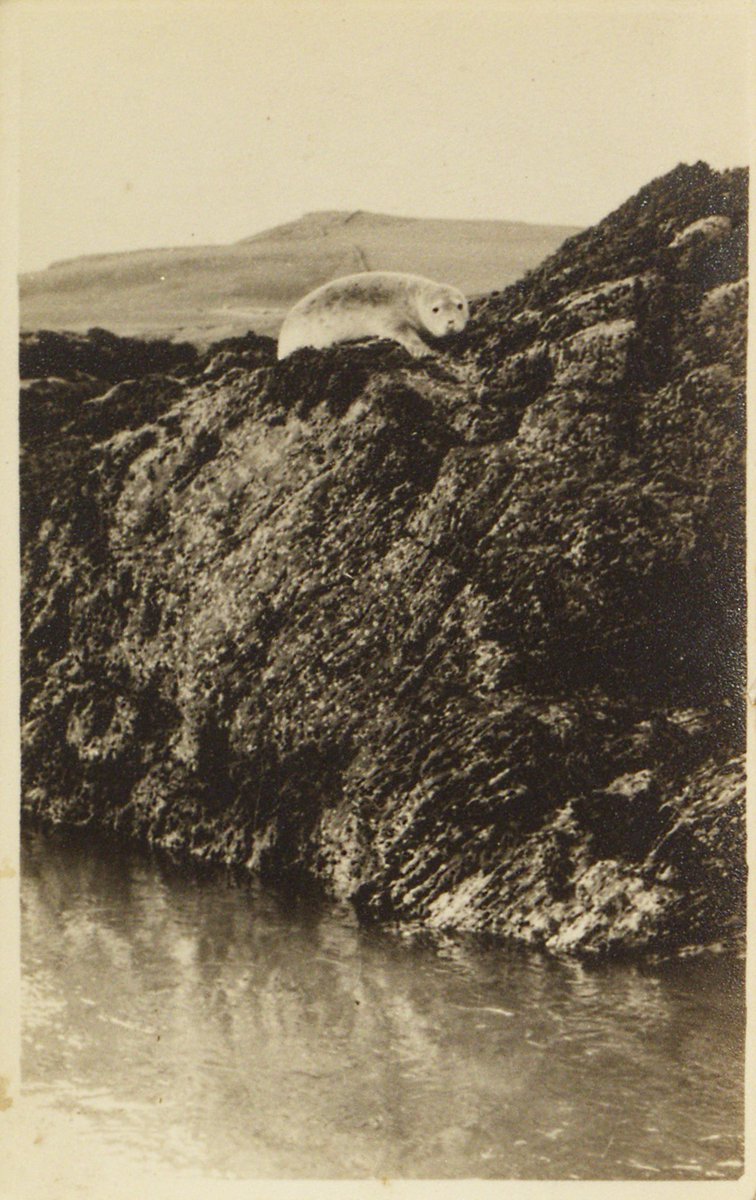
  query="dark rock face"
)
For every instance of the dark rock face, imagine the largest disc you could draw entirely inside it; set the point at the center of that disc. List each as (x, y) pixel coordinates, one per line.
(460, 641)
(98, 353)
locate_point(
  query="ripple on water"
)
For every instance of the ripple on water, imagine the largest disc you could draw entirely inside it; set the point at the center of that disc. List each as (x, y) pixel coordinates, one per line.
(215, 1028)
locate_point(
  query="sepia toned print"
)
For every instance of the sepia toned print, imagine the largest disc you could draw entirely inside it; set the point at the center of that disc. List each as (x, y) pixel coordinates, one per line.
(382, 529)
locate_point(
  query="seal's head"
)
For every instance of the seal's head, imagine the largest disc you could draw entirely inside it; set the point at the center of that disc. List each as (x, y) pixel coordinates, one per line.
(443, 310)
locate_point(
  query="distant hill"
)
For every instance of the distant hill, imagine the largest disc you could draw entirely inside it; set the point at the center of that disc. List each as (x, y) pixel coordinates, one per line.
(202, 293)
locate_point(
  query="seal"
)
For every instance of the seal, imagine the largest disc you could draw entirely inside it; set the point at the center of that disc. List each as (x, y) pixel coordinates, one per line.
(384, 304)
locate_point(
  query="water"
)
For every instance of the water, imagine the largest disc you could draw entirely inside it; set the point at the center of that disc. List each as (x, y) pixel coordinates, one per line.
(209, 1026)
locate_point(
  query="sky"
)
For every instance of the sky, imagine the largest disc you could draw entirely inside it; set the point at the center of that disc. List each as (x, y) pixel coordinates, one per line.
(165, 124)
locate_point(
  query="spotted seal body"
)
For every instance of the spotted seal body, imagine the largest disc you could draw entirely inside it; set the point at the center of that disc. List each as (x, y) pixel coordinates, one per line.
(384, 304)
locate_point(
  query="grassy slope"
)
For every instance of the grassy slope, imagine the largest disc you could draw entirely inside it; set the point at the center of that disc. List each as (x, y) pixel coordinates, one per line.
(206, 292)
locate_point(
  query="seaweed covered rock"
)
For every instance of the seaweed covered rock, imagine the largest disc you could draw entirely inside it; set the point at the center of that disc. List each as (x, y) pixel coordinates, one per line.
(459, 641)
(99, 353)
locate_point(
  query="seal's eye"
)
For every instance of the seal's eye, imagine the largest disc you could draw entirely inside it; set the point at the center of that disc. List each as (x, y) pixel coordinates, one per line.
(436, 309)
(459, 306)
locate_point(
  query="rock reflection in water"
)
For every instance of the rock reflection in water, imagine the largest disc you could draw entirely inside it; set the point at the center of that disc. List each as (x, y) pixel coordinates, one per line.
(219, 1027)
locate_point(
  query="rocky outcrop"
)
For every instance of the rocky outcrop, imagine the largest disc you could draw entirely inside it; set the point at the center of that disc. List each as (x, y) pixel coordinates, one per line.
(99, 355)
(459, 641)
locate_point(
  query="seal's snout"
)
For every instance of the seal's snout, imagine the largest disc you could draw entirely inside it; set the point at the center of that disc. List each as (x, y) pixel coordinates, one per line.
(456, 323)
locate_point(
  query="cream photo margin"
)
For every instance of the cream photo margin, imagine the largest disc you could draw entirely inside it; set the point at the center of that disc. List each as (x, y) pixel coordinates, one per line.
(58, 1146)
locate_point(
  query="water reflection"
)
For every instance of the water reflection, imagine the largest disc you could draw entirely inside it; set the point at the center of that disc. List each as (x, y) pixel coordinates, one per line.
(219, 1027)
